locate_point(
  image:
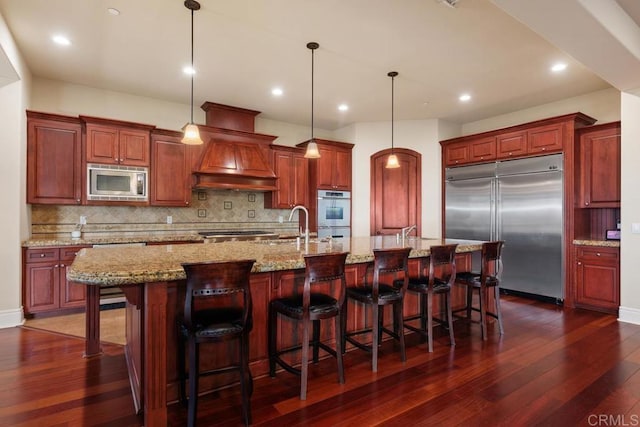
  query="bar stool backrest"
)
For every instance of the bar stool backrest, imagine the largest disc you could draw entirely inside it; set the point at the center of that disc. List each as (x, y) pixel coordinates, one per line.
(324, 268)
(442, 256)
(395, 260)
(491, 270)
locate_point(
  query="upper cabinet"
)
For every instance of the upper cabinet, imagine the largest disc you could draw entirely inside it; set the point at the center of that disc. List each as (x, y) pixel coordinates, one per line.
(600, 166)
(54, 162)
(332, 171)
(170, 177)
(292, 170)
(530, 139)
(116, 142)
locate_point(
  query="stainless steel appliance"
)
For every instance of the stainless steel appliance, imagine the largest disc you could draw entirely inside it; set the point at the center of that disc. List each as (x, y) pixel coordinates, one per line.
(115, 182)
(334, 213)
(520, 202)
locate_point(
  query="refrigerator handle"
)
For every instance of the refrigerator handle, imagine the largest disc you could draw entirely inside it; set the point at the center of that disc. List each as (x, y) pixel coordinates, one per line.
(494, 209)
(497, 232)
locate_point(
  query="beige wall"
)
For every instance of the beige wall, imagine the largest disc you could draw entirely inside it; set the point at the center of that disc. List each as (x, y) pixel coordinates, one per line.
(630, 211)
(14, 221)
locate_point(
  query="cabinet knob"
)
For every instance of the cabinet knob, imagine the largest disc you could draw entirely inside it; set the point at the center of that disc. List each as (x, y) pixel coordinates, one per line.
(597, 253)
(511, 154)
(544, 148)
(586, 203)
(62, 265)
(77, 200)
(42, 255)
(579, 263)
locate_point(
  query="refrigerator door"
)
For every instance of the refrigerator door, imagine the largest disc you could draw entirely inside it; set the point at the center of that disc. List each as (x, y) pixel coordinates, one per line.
(468, 209)
(529, 220)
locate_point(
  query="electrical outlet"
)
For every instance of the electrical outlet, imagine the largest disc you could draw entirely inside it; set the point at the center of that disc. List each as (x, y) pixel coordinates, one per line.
(83, 220)
(280, 219)
(635, 228)
(169, 219)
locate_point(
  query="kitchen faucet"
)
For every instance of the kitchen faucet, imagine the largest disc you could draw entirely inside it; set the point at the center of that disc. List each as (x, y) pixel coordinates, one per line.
(306, 222)
(406, 230)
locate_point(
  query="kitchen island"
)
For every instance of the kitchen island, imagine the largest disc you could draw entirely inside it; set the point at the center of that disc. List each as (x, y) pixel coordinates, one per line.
(152, 279)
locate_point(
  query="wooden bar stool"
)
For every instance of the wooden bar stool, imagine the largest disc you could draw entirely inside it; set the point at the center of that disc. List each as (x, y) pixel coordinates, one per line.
(443, 258)
(217, 309)
(311, 307)
(488, 277)
(392, 265)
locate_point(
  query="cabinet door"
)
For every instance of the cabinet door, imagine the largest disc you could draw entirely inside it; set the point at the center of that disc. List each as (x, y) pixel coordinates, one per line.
(456, 153)
(342, 170)
(325, 168)
(54, 162)
(545, 139)
(600, 168)
(170, 183)
(597, 279)
(483, 149)
(102, 144)
(283, 196)
(260, 296)
(133, 147)
(512, 144)
(41, 287)
(71, 294)
(299, 186)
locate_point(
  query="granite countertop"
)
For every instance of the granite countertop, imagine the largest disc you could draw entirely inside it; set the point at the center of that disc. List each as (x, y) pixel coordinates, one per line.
(605, 243)
(157, 263)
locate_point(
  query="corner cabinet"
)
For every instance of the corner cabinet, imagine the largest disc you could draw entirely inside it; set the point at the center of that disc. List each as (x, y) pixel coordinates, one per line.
(45, 285)
(170, 177)
(600, 166)
(116, 142)
(292, 170)
(54, 159)
(598, 278)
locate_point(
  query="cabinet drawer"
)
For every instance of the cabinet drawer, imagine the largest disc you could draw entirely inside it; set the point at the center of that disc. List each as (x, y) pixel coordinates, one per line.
(69, 253)
(598, 253)
(41, 255)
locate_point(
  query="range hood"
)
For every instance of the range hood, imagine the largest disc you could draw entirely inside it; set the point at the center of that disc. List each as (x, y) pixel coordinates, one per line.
(233, 155)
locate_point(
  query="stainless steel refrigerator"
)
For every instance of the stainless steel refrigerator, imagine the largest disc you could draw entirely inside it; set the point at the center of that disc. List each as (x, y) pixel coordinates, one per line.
(520, 202)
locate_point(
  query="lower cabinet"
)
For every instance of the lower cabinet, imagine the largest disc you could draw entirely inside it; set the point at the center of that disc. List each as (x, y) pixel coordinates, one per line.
(598, 278)
(45, 285)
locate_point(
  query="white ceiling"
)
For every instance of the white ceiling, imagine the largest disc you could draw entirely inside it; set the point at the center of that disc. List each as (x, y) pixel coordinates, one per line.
(245, 47)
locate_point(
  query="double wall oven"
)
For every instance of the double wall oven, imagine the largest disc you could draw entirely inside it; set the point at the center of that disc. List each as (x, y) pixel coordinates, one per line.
(334, 213)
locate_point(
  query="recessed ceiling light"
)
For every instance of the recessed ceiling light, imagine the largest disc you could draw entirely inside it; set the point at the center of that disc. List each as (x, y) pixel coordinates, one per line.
(343, 107)
(465, 97)
(189, 70)
(560, 66)
(276, 91)
(61, 40)
(113, 11)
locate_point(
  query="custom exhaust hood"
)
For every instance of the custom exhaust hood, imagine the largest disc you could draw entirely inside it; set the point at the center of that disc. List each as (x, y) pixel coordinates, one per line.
(233, 156)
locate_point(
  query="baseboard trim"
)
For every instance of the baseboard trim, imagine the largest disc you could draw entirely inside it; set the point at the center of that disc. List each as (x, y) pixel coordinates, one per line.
(629, 315)
(11, 318)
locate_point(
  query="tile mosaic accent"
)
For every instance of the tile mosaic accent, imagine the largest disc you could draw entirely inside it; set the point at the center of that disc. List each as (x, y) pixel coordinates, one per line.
(207, 212)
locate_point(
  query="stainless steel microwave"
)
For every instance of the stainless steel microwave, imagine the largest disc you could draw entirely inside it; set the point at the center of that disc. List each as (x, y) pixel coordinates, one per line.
(115, 182)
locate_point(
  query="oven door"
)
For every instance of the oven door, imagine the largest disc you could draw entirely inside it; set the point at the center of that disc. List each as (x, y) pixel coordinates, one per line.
(334, 212)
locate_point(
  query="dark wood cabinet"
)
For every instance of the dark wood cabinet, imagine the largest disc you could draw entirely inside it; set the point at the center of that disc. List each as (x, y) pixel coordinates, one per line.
(170, 172)
(598, 278)
(600, 166)
(54, 159)
(292, 170)
(116, 142)
(511, 144)
(519, 141)
(45, 285)
(332, 170)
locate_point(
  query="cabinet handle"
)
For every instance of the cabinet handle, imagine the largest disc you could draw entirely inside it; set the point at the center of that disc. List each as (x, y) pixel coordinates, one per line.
(42, 255)
(121, 160)
(77, 200)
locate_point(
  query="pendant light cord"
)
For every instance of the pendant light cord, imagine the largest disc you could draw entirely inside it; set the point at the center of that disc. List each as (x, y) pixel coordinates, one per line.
(392, 98)
(312, 68)
(193, 71)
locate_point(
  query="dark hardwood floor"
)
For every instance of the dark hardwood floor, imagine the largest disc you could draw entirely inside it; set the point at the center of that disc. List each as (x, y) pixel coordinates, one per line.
(553, 367)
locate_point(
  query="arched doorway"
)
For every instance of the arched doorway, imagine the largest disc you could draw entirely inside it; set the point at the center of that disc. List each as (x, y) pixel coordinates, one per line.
(396, 196)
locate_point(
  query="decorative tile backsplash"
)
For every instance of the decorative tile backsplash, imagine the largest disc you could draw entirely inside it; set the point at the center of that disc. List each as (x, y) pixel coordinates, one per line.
(209, 210)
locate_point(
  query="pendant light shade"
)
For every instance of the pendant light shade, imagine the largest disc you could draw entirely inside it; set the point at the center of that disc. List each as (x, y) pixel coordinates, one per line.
(191, 132)
(312, 148)
(392, 160)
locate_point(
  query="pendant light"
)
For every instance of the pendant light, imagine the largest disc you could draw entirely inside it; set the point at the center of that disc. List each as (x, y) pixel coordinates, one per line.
(312, 148)
(191, 132)
(392, 160)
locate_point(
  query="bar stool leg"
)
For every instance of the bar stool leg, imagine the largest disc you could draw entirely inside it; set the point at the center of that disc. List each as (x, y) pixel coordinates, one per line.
(375, 331)
(316, 341)
(449, 319)
(339, 347)
(246, 385)
(498, 310)
(194, 360)
(398, 323)
(304, 368)
(483, 311)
